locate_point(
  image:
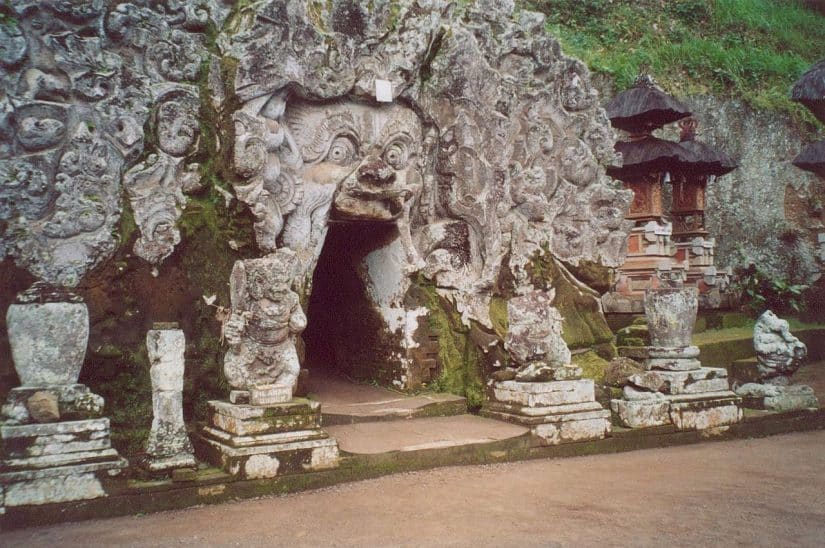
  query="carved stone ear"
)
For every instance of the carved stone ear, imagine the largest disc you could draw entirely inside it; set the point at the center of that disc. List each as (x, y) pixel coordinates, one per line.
(237, 285)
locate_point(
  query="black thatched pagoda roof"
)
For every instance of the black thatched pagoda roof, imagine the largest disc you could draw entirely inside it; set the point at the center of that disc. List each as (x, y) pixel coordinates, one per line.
(812, 158)
(644, 107)
(648, 155)
(810, 90)
(708, 160)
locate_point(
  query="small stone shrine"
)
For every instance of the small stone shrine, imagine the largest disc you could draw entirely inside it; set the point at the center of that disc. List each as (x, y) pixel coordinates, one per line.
(56, 447)
(675, 388)
(545, 392)
(168, 446)
(778, 356)
(262, 431)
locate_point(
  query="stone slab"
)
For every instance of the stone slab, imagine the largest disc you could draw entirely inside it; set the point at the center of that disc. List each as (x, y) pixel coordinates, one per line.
(49, 490)
(54, 428)
(247, 411)
(263, 439)
(555, 433)
(37, 446)
(705, 414)
(174, 462)
(705, 379)
(270, 394)
(269, 461)
(641, 413)
(111, 466)
(62, 459)
(266, 425)
(542, 411)
(370, 438)
(543, 394)
(672, 364)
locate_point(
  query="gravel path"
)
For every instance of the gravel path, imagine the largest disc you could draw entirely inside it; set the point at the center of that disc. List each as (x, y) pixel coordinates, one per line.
(763, 492)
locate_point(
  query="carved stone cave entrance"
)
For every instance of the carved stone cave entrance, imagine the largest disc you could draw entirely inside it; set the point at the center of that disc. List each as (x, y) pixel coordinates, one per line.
(357, 285)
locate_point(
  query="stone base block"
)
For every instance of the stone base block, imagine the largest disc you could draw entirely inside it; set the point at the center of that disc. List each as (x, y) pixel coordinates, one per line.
(668, 359)
(696, 381)
(552, 425)
(265, 441)
(642, 413)
(573, 430)
(74, 402)
(248, 420)
(705, 412)
(777, 398)
(544, 394)
(270, 460)
(56, 462)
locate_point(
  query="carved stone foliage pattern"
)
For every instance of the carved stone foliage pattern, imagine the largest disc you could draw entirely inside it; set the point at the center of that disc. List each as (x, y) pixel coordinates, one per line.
(79, 81)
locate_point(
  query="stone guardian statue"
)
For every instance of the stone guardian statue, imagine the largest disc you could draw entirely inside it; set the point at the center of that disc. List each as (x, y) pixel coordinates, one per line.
(265, 319)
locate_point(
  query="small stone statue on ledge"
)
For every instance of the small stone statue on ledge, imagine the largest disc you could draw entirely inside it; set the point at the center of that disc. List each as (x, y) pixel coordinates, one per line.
(265, 319)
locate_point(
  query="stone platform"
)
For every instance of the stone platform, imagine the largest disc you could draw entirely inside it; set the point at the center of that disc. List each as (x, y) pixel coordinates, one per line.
(556, 412)
(56, 462)
(265, 441)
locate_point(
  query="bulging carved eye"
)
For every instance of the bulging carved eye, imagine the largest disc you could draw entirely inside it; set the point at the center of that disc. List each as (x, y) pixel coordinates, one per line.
(342, 151)
(396, 155)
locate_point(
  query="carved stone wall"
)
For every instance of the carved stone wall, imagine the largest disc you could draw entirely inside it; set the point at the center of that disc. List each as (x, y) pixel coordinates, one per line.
(462, 124)
(79, 82)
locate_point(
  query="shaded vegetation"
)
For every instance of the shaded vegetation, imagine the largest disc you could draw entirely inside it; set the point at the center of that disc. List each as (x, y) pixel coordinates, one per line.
(748, 49)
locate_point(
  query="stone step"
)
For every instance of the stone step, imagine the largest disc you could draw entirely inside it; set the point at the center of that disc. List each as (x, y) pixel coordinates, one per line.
(429, 433)
(345, 402)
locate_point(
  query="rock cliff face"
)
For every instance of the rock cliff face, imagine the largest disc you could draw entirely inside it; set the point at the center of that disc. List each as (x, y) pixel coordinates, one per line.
(767, 211)
(463, 126)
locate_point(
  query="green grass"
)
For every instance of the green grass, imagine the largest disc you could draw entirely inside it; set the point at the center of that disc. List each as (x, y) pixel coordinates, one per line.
(748, 49)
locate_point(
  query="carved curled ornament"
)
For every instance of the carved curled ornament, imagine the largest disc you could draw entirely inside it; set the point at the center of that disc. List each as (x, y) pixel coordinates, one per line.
(80, 81)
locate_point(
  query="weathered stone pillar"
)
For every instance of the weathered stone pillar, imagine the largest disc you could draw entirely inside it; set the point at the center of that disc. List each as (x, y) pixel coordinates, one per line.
(168, 446)
(675, 388)
(55, 445)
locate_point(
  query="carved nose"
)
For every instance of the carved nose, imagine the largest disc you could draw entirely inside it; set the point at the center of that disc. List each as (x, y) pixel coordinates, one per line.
(376, 172)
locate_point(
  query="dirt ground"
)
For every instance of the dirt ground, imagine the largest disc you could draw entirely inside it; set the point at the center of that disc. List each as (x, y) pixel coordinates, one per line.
(763, 492)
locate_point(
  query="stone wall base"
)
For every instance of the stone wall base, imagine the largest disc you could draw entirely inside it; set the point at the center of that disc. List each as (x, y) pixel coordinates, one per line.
(686, 412)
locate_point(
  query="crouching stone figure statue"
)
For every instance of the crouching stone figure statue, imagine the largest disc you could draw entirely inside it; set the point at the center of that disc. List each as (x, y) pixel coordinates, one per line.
(265, 319)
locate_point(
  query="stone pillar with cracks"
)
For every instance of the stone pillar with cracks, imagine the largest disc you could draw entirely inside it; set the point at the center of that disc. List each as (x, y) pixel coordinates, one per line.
(168, 447)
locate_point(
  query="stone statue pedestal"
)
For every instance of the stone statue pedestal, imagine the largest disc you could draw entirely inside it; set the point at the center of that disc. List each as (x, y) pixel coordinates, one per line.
(677, 390)
(556, 411)
(54, 445)
(265, 441)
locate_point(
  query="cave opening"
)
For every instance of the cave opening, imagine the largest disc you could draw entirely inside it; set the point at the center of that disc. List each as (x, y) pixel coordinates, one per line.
(346, 333)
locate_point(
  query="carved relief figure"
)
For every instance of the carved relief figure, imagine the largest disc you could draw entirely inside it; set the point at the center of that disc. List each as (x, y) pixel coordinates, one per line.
(156, 186)
(349, 160)
(265, 320)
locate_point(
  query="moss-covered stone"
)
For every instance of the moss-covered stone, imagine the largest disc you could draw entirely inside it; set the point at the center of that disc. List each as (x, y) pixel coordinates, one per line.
(593, 366)
(461, 370)
(584, 323)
